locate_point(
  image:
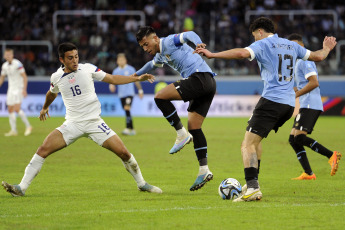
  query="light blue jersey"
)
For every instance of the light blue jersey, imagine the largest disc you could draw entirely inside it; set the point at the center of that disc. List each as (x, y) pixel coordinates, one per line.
(303, 70)
(178, 55)
(125, 90)
(276, 58)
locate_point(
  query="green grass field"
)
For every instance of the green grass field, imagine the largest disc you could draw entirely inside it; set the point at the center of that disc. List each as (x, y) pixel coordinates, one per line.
(86, 187)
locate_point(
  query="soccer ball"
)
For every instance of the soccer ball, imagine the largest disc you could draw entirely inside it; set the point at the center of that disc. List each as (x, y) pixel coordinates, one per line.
(229, 189)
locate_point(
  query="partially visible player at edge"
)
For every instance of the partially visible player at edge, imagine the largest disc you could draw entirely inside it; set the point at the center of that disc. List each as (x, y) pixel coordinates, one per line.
(75, 82)
(198, 87)
(311, 106)
(17, 90)
(276, 58)
(126, 92)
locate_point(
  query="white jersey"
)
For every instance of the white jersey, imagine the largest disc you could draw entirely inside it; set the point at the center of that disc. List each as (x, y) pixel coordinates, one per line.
(13, 72)
(78, 91)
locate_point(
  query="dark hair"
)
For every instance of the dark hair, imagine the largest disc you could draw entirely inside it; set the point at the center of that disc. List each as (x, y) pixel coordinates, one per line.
(262, 23)
(65, 47)
(143, 32)
(296, 37)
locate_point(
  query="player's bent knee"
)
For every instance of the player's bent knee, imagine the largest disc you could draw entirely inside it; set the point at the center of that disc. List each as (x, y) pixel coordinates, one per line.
(299, 139)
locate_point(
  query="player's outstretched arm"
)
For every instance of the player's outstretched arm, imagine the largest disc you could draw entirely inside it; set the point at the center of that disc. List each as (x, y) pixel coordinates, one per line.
(2, 79)
(328, 44)
(120, 79)
(312, 84)
(237, 53)
(50, 97)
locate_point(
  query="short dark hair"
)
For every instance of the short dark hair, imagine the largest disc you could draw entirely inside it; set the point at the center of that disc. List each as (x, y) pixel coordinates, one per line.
(296, 37)
(65, 47)
(143, 32)
(262, 23)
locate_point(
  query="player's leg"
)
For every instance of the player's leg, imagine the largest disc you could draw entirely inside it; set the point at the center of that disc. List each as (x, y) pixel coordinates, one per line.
(195, 121)
(22, 115)
(115, 144)
(53, 142)
(126, 105)
(12, 120)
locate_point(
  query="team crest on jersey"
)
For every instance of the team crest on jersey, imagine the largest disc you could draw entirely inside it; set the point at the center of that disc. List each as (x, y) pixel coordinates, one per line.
(168, 56)
(71, 79)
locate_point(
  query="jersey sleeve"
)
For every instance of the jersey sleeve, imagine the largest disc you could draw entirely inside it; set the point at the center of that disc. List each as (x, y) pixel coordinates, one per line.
(302, 52)
(191, 36)
(53, 86)
(309, 69)
(20, 67)
(255, 50)
(96, 72)
(156, 62)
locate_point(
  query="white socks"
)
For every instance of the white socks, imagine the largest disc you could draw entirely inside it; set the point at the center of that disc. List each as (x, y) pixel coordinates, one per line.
(181, 132)
(133, 168)
(31, 171)
(203, 169)
(24, 118)
(12, 118)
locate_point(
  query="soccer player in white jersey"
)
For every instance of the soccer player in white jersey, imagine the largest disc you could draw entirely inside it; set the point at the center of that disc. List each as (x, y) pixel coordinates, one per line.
(126, 92)
(308, 92)
(198, 87)
(276, 58)
(17, 85)
(75, 82)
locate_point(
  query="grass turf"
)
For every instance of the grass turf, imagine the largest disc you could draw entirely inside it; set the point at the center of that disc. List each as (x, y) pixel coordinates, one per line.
(86, 187)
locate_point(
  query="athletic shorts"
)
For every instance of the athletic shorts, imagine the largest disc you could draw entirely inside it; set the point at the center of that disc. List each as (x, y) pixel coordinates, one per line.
(14, 97)
(306, 119)
(199, 89)
(96, 130)
(268, 115)
(126, 101)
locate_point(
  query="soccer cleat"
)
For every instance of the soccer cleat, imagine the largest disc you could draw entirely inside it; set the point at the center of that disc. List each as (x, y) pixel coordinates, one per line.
(244, 189)
(180, 143)
(305, 176)
(250, 195)
(28, 131)
(201, 181)
(128, 132)
(11, 133)
(15, 190)
(334, 162)
(150, 188)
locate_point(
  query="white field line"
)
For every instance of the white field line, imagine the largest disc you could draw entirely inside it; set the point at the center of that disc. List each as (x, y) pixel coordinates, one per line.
(163, 209)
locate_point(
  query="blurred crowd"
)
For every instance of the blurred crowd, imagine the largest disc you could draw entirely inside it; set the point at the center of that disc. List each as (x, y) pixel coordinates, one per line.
(101, 39)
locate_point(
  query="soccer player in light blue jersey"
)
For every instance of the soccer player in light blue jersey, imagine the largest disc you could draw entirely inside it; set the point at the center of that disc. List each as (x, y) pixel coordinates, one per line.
(198, 87)
(311, 106)
(276, 58)
(126, 92)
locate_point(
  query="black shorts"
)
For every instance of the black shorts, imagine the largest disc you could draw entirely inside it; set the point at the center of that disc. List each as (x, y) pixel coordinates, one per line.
(126, 101)
(306, 119)
(199, 89)
(268, 115)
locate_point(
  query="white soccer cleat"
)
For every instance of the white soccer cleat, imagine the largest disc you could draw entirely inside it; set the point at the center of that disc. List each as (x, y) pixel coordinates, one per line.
(150, 188)
(250, 195)
(28, 131)
(180, 142)
(11, 133)
(129, 132)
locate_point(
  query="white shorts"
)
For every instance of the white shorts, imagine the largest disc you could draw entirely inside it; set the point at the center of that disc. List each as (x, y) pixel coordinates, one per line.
(96, 129)
(14, 98)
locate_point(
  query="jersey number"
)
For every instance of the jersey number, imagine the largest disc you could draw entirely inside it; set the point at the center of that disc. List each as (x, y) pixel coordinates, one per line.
(76, 91)
(289, 67)
(104, 128)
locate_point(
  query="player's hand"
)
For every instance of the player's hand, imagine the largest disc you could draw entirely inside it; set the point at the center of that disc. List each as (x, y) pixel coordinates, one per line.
(112, 88)
(147, 77)
(201, 45)
(43, 114)
(329, 43)
(25, 93)
(203, 52)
